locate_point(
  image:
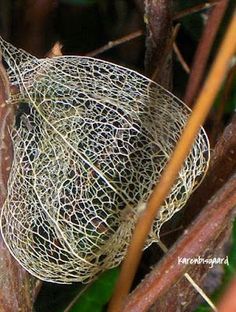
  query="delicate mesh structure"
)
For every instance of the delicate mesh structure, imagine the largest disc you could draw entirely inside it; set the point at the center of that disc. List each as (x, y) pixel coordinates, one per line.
(90, 141)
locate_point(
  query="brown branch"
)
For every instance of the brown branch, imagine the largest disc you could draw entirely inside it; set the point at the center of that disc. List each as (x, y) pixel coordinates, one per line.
(161, 70)
(159, 34)
(170, 173)
(203, 51)
(17, 288)
(191, 10)
(217, 121)
(201, 239)
(223, 163)
(114, 43)
(6, 118)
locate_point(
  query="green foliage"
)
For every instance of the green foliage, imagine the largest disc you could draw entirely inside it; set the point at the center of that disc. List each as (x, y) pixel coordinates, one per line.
(86, 298)
(229, 273)
(98, 294)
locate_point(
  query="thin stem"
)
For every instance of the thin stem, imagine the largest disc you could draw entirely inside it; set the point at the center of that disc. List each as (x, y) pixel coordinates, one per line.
(203, 51)
(181, 58)
(161, 190)
(114, 43)
(70, 305)
(200, 291)
(195, 9)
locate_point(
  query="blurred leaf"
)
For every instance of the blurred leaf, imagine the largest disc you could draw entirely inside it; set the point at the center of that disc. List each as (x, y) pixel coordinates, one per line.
(98, 294)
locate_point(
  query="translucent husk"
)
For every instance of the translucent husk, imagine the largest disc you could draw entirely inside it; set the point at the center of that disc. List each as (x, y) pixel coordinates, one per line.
(90, 142)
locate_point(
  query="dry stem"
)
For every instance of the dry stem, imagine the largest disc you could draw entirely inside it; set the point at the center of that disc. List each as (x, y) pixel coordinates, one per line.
(170, 173)
(114, 43)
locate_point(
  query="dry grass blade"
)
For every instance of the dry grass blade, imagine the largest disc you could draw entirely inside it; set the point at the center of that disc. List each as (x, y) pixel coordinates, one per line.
(165, 285)
(181, 58)
(198, 116)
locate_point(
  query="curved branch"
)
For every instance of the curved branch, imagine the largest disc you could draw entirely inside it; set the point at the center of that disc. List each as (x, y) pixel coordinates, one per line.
(17, 288)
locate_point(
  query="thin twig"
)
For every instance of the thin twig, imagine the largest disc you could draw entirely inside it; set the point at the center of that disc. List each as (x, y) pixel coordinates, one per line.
(194, 9)
(70, 305)
(200, 291)
(180, 228)
(181, 58)
(114, 43)
(161, 190)
(203, 51)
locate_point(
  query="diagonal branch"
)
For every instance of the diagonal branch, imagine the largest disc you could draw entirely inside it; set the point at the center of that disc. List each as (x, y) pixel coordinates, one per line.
(201, 239)
(170, 173)
(222, 165)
